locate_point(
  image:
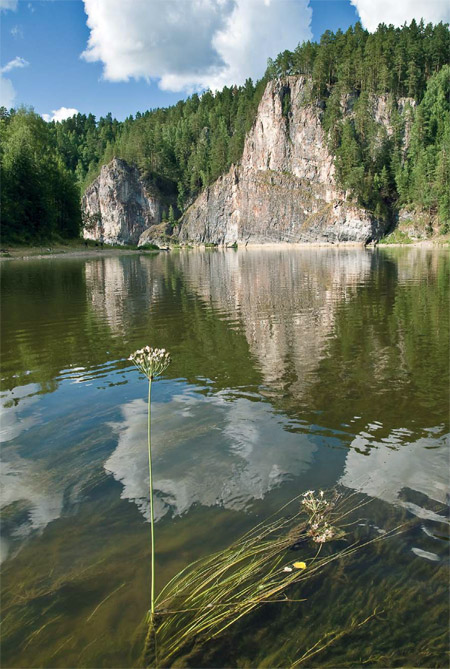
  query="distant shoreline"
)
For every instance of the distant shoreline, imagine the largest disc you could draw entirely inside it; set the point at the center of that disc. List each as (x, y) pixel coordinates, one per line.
(40, 252)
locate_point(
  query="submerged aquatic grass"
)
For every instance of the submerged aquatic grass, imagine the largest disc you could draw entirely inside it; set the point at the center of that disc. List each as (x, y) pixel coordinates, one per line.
(215, 592)
(209, 595)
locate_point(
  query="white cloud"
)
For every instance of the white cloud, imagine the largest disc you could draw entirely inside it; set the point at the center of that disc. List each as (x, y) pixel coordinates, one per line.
(7, 90)
(16, 62)
(7, 93)
(385, 11)
(8, 4)
(192, 45)
(60, 114)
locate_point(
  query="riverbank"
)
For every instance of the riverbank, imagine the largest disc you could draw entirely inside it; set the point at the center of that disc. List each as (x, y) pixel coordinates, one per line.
(66, 251)
(81, 251)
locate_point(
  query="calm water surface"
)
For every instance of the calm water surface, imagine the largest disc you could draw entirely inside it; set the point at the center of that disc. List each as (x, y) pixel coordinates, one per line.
(292, 370)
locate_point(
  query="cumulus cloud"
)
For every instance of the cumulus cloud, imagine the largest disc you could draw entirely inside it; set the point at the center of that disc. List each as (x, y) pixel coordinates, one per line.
(385, 11)
(192, 45)
(60, 114)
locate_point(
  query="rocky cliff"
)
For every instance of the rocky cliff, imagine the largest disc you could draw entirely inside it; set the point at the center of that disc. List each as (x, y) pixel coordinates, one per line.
(284, 188)
(119, 205)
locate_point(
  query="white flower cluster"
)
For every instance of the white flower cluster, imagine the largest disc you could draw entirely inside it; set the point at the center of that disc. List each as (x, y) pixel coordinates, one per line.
(151, 361)
(319, 529)
(326, 533)
(314, 504)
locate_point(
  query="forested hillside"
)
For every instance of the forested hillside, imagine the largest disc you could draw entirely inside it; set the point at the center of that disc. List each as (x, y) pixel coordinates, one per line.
(183, 148)
(408, 66)
(186, 147)
(40, 199)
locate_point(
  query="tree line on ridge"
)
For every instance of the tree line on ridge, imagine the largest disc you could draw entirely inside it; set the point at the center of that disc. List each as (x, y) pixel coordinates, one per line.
(184, 148)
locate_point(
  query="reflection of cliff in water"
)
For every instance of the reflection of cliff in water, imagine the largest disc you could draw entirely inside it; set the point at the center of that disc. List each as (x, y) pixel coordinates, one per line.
(357, 338)
(284, 300)
(111, 283)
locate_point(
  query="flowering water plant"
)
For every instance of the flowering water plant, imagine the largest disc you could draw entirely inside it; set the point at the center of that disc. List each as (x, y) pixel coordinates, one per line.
(318, 508)
(213, 593)
(152, 362)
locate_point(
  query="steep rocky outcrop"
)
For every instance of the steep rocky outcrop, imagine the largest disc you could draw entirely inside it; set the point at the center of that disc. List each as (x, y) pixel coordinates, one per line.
(284, 188)
(119, 206)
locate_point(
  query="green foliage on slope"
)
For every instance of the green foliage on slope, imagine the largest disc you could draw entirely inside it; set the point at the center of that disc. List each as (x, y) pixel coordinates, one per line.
(403, 158)
(181, 149)
(39, 195)
(194, 142)
(424, 180)
(385, 107)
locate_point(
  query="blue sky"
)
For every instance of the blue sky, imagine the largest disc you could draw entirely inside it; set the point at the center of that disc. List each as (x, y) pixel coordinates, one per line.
(140, 54)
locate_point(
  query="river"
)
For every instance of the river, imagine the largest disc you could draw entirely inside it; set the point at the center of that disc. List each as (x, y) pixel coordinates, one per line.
(291, 370)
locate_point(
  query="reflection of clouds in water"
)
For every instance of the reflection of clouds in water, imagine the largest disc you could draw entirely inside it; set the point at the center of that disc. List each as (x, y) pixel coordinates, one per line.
(13, 404)
(425, 554)
(206, 450)
(392, 465)
(22, 481)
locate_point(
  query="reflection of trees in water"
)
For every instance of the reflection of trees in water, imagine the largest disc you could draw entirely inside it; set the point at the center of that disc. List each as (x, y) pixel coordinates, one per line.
(69, 318)
(41, 300)
(388, 360)
(367, 323)
(340, 332)
(353, 340)
(148, 299)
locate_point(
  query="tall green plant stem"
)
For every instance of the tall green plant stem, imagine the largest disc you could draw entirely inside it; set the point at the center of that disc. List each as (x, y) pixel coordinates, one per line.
(152, 515)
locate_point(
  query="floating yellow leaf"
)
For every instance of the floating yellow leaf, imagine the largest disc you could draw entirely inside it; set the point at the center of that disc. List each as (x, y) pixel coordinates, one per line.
(299, 565)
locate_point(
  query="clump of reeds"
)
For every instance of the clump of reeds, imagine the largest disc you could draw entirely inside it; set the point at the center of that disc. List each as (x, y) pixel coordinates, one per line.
(212, 594)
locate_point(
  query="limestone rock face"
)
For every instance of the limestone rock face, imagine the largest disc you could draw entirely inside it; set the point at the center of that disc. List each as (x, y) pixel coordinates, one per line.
(284, 188)
(119, 206)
